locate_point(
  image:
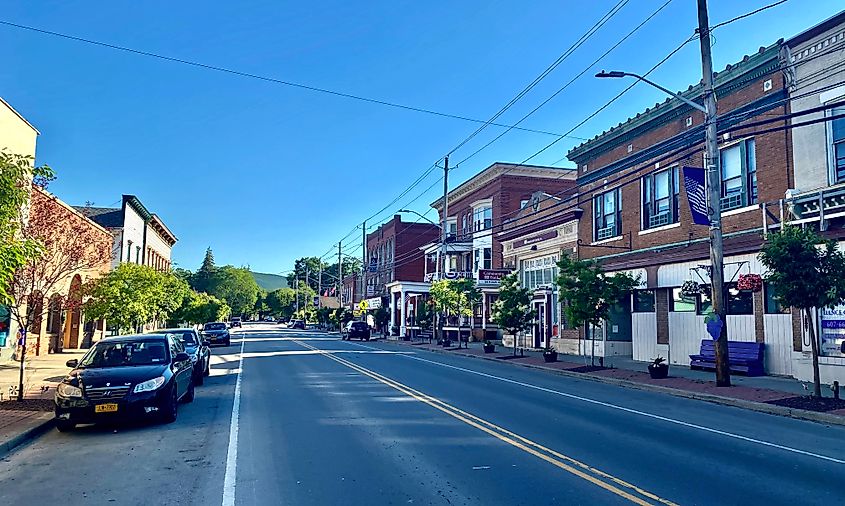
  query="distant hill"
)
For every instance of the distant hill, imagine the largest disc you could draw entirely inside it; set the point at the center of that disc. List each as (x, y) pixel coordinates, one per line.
(270, 282)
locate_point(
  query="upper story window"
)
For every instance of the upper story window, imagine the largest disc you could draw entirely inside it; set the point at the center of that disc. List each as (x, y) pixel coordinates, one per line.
(484, 258)
(838, 134)
(660, 198)
(739, 175)
(464, 229)
(482, 218)
(607, 215)
(452, 228)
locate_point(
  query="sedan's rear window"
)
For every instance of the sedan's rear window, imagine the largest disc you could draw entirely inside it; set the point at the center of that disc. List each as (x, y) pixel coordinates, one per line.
(214, 326)
(123, 353)
(359, 326)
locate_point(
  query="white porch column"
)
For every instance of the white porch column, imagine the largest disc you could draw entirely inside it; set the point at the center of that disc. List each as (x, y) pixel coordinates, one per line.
(392, 310)
(484, 313)
(403, 324)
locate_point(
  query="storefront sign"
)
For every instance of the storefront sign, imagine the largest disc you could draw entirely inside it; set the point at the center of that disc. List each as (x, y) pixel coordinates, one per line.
(374, 303)
(434, 276)
(833, 331)
(491, 277)
(545, 236)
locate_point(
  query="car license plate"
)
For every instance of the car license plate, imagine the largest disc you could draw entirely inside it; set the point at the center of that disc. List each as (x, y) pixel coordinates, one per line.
(105, 408)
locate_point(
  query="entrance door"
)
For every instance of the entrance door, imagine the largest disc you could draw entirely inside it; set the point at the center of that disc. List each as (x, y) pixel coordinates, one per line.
(540, 325)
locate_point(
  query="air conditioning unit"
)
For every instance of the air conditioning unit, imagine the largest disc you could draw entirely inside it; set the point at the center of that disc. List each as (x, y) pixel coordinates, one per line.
(659, 219)
(731, 201)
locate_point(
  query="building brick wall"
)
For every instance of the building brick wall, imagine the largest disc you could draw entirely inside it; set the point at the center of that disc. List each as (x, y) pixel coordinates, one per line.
(662, 307)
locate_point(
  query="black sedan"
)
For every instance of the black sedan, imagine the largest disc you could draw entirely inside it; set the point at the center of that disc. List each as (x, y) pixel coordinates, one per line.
(196, 347)
(125, 378)
(216, 333)
(360, 330)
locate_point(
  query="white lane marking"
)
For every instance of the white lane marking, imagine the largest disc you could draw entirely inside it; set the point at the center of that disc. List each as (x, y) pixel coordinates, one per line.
(232, 451)
(627, 410)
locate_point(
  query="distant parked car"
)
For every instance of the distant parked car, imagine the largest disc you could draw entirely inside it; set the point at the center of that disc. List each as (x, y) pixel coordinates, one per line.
(297, 324)
(125, 378)
(235, 321)
(196, 347)
(361, 330)
(216, 333)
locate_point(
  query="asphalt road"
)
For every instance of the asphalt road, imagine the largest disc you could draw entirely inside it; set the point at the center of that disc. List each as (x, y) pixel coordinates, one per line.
(322, 421)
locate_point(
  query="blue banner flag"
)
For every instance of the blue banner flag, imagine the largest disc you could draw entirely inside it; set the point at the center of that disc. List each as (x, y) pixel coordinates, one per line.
(696, 196)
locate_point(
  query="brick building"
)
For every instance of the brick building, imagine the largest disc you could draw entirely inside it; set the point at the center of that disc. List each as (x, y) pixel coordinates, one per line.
(478, 208)
(636, 217)
(393, 253)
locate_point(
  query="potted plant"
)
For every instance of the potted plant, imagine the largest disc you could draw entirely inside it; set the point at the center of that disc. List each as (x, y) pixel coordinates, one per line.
(550, 354)
(690, 288)
(658, 369)
(489, 347)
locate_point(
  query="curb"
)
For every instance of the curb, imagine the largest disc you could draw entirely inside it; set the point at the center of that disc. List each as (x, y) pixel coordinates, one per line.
(761, 407)
(26, 436)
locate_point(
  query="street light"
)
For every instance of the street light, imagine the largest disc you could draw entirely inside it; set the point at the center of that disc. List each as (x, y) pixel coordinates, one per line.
(420, 215)
(714, 186)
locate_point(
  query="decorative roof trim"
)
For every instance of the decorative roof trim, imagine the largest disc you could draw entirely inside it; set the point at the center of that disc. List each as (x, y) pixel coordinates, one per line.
(19, 115)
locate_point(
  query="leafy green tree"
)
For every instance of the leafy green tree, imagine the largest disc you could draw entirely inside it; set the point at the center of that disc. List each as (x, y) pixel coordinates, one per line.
(382, 317)
(468, 295)
(588, 292)
(806, 272)
(443, 298)
(306, 268)
(236, 286)
(512, 311)
(341, 316)
(132, 295)
(324, 315)
(203, 279)
(199, 308)
(16, 174)
(282, 302)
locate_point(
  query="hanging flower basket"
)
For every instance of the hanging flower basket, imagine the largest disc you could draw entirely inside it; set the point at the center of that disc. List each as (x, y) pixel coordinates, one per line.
(750, 282)
(690, 288)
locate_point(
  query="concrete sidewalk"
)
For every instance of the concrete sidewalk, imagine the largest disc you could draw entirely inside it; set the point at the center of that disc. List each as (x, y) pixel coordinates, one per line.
(758, 393)
(22, 421)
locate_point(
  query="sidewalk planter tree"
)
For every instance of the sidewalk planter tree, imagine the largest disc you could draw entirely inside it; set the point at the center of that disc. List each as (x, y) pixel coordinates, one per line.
(550, 355)
(512, 311)
(589, 293)
(444, 298)
(489, 347)
(467, 296)
(806, 272)
(658, 369)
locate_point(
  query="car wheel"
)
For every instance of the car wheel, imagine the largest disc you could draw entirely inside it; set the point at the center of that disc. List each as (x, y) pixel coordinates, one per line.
(171, 408)
(65, 426)
(189, 395)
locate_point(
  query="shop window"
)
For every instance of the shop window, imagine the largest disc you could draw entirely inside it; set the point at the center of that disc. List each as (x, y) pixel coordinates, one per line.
(773, 305)
(483, 218)
(643, 301)
(682, 303)
(737, 302)
(739, 175)
(660, 198)
(607, 215)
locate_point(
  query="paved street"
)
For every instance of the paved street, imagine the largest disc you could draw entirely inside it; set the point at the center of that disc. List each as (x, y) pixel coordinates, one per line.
(324, 421)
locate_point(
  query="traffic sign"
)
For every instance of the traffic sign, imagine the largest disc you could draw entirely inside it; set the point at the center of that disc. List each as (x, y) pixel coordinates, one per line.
(363, 305)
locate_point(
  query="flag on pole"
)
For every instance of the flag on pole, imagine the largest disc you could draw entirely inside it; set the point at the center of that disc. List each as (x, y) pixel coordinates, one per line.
(696, 195)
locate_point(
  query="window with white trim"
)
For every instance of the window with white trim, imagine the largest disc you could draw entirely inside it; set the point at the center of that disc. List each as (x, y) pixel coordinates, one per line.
(482, 218)
(484, 258)
(539, 271)
(607, 215)
(660, 198)
(738, 164)
(837, 128)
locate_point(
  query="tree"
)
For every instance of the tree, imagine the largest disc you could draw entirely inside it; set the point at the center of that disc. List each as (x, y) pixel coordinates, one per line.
(468, 295)
(132, 295)
(282, 302)
(202, 279)
(69, 245)
(382, 317)
(199, 308)
(306, 268)
(443, 298)
(512, 311)
(806, 272)
(341, 317)
(17, 175)
(588, 292)
(236, 286)
(324, 315)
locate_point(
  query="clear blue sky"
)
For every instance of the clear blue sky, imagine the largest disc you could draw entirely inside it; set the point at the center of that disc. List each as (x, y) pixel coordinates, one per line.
(265, 173)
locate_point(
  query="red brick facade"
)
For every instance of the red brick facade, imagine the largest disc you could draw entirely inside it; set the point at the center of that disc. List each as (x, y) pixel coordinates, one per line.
(394, 248)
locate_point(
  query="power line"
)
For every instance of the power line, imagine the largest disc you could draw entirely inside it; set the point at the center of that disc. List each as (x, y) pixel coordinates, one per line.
(260, 77)
(747, 14)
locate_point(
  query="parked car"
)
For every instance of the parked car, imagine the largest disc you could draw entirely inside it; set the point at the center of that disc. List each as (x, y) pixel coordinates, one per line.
(297, 324)
(125, 378)
(361, 330)
(235, 321)
(196, 347)
(216, 333)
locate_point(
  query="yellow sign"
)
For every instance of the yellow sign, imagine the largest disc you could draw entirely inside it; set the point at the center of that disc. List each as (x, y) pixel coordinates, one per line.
(363, 305)
(356, 312)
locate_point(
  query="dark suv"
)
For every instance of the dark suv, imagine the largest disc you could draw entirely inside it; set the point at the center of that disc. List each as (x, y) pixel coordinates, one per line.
(216, 333)
(360, 330)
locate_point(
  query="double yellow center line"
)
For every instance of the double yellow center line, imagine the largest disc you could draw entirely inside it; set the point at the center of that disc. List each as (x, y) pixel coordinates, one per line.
(588, 473)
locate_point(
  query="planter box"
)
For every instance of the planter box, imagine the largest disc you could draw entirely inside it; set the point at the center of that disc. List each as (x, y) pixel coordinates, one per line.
(550, 356)
(489, 348)
(658, 371)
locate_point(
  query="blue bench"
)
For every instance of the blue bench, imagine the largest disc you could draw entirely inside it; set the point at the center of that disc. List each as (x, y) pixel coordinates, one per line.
(744, 357)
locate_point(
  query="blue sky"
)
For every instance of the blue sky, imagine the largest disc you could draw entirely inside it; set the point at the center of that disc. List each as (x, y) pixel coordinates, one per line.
(265, 173)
